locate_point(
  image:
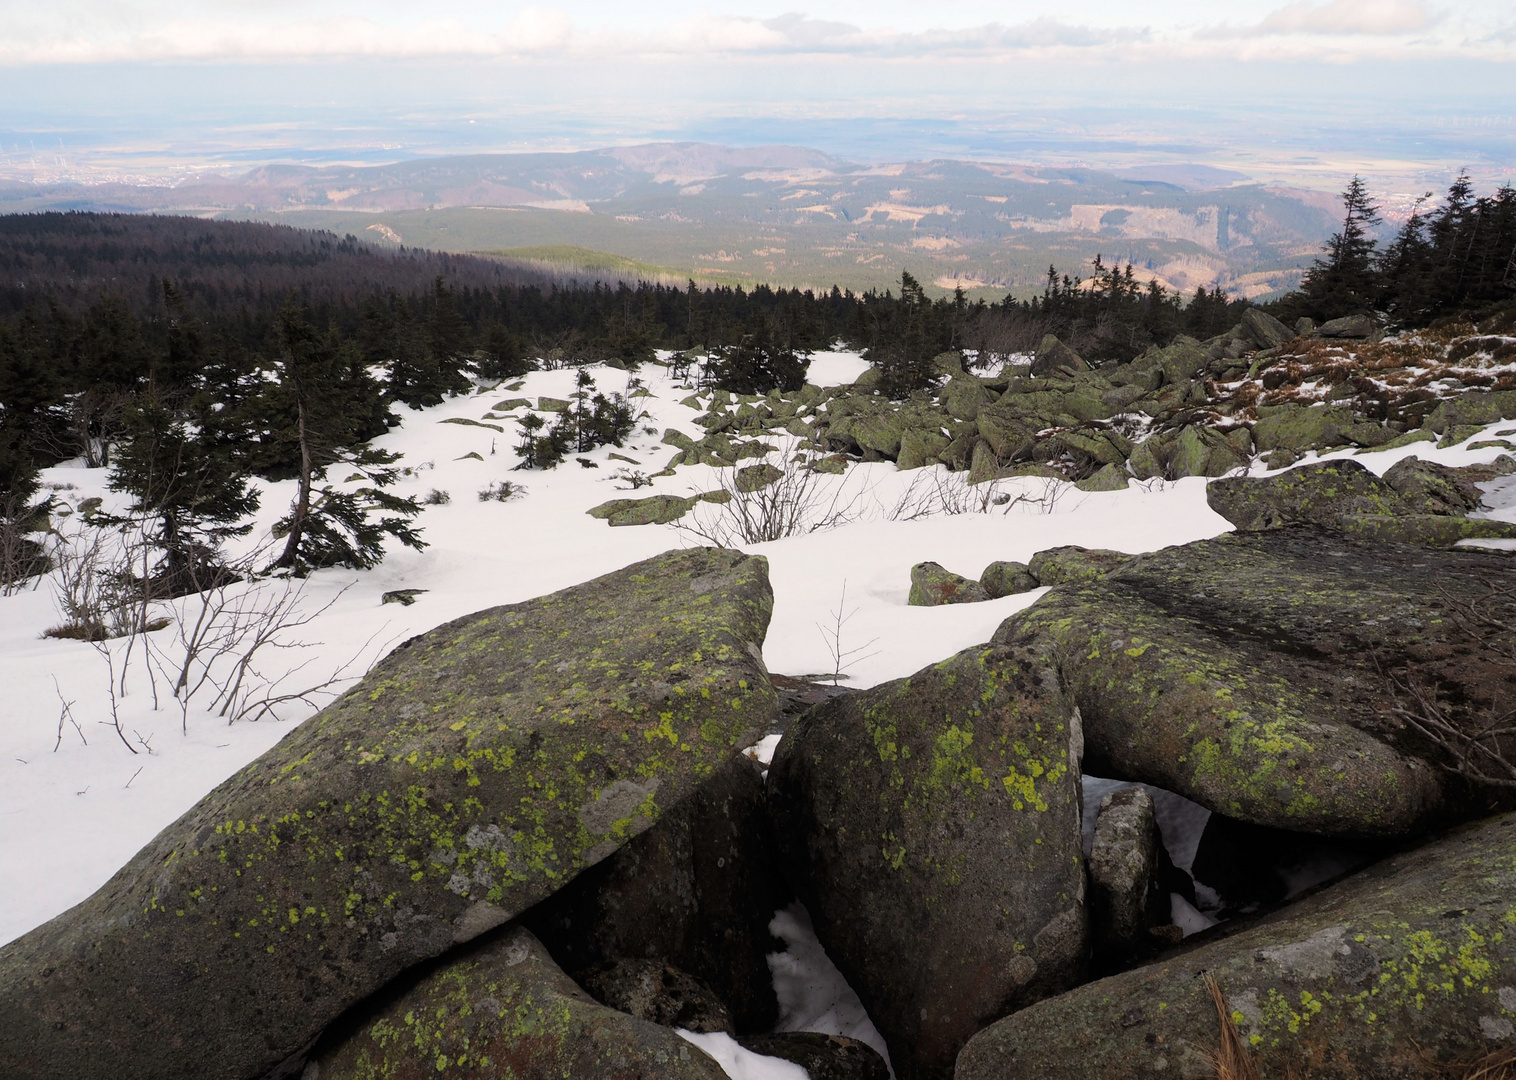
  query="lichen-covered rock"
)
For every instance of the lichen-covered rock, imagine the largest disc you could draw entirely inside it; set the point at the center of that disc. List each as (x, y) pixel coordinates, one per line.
(653, 510)
(931, 827)
(1054, 357)
(1263, 330)
(1342, 494)
(1429, 488)
(920, 447)
(1060, 565)
(477, 769)
(1349, 326)
(1127, 895)
(963, 396)
(1106, 478)
(933, 585)
(1405, 970)
(659, 992)
(1299, 427)
(1260, 674)
(552, 404)
(1473, 409)
(1002, 578)
(504, 1009)
(697, 891)
(752, 478)
(823, 1057)
(1319, 494)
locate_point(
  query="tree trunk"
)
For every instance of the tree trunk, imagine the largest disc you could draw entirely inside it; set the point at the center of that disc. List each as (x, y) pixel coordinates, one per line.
(302, 508)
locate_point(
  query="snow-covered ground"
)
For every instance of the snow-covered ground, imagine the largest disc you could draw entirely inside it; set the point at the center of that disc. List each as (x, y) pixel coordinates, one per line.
(71, 813)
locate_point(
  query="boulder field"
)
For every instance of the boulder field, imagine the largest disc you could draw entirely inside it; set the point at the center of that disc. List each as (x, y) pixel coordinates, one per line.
(526, 844)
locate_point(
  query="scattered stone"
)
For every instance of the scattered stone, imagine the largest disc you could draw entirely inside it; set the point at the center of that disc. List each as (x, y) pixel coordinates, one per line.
(471, 423)
(752, 478)
(823, 1057)
(653, 510)
(472, 773)
(1318, 493)
(505, 1009)
(1007, 579)
(470, 456)
(511, 403)
(552, 404)
(933, 585)
(622, 457)
(931, 827)
(1106, 478)
(653, 990)
(1127, 896)
(1402, 970)
(405, 597)
(1060, 565)
(1359, 327)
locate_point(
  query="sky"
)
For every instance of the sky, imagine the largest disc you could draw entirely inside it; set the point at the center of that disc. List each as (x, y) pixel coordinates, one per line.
(247, 79)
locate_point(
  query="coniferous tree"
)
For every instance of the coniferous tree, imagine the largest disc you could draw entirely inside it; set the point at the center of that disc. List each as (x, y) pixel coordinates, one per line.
(330, 395)
(759, 362)
(1344, 282)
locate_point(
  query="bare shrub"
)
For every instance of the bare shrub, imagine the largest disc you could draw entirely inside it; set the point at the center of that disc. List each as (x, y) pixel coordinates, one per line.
(936, 492)
(831, 633)
(798, 500)
(502, 491)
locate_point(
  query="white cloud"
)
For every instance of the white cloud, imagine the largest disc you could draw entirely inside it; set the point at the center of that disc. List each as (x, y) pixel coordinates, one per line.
(1334, 30)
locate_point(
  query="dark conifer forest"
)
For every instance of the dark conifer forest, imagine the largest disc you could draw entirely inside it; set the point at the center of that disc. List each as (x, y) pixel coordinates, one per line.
(188, 356)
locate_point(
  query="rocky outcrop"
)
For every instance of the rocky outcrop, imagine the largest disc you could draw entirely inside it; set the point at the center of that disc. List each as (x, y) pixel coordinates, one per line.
(476, 770)
(504, 1009)
(933, 585)
(931, 827)
(1406, 970)
(1267, 676)
(1414, 502)
(696, 891)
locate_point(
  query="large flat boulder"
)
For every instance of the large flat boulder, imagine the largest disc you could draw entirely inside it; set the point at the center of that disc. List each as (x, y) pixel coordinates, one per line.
(477, 769)
(1407, 969)
(504, 1009)
(931, 827)
(1269, 676)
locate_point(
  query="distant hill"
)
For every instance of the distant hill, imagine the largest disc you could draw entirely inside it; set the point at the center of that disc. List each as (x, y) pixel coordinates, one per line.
(76, 257)
(785, 215)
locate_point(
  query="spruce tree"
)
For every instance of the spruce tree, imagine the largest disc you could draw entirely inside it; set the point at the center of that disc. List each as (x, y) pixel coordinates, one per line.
(1344, 282)
(330, 396)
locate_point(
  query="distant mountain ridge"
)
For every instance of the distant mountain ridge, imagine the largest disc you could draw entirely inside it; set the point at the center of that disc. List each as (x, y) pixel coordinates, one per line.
(784, 214)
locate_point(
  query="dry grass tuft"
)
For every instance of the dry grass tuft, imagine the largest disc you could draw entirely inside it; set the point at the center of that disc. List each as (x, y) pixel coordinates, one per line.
(1500, 1065)
(1233, 1062)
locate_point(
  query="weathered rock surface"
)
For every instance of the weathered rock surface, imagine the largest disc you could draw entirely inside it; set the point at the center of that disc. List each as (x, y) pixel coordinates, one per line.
(931, 827)
(1054, 357)
(1404, 970)
(1061, 565)
(1127, 896)
(1002, 578)
(655, 991)
(474, 771)
(697, 891)
(1260, 674)
(823, 1057)
(1419, 504)
(933, 585)
(1349, 326)
(503, 1009)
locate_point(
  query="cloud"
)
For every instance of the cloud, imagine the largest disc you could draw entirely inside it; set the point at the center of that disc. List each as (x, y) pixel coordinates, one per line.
(1335, 30)
(1346, 17)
